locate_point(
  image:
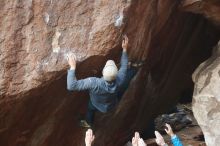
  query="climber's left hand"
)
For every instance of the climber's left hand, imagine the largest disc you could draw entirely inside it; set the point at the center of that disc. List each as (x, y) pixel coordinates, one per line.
(125, 43)
(72, 61)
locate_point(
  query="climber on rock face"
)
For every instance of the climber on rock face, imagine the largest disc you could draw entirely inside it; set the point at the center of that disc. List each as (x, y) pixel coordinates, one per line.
(103, 91)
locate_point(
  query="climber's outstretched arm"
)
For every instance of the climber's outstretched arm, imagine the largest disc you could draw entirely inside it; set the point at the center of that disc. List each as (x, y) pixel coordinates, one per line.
(124, 61)
(73, 83)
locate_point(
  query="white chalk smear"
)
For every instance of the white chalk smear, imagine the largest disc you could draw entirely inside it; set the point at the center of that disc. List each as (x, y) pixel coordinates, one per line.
(29, 4)
(46, 18)
(70, 55)
(55, 42)
(78, 56)
(119, 19)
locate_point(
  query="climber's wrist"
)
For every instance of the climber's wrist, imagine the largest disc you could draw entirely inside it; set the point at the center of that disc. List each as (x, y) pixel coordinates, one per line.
(72, 67)
(172, 135)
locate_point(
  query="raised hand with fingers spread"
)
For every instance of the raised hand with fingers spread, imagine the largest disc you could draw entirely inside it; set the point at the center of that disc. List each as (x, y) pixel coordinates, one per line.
(174, 138)
(125, 43)
(169, 130)
(71, 60)
(89, 138)
(159, 139)
(137, 141)
(141, 142)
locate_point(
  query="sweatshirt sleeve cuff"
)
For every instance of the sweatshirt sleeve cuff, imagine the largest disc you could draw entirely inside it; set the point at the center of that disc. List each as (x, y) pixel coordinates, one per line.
(71, 71)
(124, 53)
(173, 137)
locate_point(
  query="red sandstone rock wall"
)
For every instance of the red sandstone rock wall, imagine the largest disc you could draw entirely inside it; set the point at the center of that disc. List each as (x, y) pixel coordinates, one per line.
(36, 109)
(209, 9)
(37, 34)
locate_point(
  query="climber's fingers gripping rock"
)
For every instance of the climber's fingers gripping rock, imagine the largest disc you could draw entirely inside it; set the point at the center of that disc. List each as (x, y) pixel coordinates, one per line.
(71, 60)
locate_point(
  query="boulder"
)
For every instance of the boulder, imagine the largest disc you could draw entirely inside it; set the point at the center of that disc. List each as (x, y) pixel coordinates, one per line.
(35, 36)
(207, 8)
(206, 97)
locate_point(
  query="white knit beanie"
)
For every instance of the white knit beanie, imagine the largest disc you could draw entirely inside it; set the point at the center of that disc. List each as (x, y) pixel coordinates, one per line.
(110, 71)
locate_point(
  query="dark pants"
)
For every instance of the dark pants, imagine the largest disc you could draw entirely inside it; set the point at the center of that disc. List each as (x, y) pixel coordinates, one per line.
(90, 113)
(131, 72)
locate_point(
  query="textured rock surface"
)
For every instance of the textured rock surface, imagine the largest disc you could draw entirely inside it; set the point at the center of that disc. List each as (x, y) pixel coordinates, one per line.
(36, 35)
(206, 97)
(36, 109)
(210, 9)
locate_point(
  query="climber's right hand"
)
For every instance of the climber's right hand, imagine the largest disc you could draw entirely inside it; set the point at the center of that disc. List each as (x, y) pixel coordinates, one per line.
(72, 61)
(125, 43)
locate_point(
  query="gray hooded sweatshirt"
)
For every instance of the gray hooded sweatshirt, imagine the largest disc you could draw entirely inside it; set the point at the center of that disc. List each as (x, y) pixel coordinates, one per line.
(103, 94)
